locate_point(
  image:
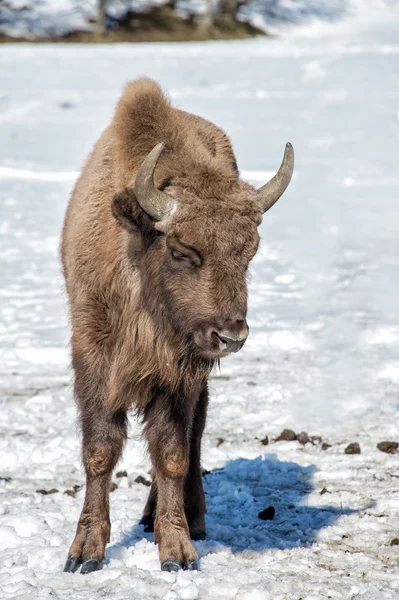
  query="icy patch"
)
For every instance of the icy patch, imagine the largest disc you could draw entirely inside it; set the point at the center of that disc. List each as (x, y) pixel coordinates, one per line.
(313, 70)
(44, 356)
(286, 340)
(390, 371)
(256, 177)
(18, 114)
(380, 335)
(36, 175)
(370, 182)
(285, 278)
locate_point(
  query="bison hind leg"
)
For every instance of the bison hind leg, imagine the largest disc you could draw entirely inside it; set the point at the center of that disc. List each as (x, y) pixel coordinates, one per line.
(148, 522)
(198, 536)
(148, 519)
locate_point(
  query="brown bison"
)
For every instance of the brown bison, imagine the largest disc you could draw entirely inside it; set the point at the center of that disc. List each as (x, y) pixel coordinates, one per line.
(156, 244)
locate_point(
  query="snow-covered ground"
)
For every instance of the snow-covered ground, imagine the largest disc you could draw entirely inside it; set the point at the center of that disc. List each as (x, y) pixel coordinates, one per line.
(50, 18)
(323, 354)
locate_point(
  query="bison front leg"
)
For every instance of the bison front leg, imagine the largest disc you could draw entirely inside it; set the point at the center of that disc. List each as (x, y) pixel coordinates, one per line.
(194, 498)
(168, 426)
(103, 438)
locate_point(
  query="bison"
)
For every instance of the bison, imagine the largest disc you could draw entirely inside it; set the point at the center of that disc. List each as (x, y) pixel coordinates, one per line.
(156, 243)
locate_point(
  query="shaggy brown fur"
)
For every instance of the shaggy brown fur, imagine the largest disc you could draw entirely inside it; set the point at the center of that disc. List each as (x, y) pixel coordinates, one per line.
(146, 300)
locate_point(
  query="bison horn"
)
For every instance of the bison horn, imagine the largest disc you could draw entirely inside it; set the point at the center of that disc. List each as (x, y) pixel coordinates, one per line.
(269, 193)
(155, 203)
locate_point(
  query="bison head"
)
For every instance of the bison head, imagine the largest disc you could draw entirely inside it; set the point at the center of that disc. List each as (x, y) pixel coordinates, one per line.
(200, 240)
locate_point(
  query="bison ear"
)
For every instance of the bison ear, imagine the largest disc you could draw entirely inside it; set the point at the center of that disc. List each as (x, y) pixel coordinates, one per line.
(123, 209)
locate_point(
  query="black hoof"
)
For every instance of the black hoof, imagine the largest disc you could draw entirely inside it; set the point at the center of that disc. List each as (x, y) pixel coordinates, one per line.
(198, 536)
(148, 522)
(171, 565)
(72, 564)
(192, 566)
(91, 564)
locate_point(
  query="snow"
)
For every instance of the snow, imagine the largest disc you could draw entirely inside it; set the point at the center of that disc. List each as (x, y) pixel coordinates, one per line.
(46, 17)
(322, 356)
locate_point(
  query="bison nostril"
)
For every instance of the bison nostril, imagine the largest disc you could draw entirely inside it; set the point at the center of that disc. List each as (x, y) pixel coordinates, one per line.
(228, 343)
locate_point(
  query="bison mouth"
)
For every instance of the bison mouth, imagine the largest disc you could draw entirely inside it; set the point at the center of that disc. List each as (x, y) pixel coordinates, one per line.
(214, 345)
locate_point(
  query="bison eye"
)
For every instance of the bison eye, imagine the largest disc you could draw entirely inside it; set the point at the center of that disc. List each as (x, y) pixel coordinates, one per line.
(189, 256)
(180, 256)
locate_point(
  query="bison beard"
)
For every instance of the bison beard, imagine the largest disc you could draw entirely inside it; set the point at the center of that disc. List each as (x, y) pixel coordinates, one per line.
(156, 243)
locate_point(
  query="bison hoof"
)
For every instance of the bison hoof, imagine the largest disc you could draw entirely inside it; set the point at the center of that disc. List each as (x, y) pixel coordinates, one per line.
(193, 565)
(148, 522)
(91, 564)
(171, 565)
(198, 536)
(72, 564)
(176, 565)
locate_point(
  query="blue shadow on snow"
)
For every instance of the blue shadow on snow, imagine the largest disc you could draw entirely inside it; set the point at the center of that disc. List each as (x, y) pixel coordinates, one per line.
(235, 495)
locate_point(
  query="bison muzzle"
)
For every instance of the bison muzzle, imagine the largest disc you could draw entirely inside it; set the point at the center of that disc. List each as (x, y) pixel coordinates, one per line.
(156, 244)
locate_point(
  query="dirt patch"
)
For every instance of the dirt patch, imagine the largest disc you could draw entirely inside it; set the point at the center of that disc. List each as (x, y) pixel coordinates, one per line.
(267, 514)
(121, 474)
(353, 448)
(143, 481)
(389, 447)
(287, 435)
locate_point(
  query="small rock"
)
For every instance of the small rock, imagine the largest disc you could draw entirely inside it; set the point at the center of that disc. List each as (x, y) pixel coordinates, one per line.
(77, 487)
(113, 486)
(267, 514)
(265, 441)
(325, 446)
(6, 479)
(47, 492)
(394, 542)
(389, 447)
(143, 480)
(66, 104)
(121, 474)
(303, 438)
(219, 442)
(353, 448)
(70, 493)
(324, 491)
(316, 438)
(287, 435)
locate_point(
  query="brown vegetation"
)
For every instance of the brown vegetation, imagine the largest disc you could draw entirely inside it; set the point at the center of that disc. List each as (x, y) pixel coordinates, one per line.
(161, 24)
